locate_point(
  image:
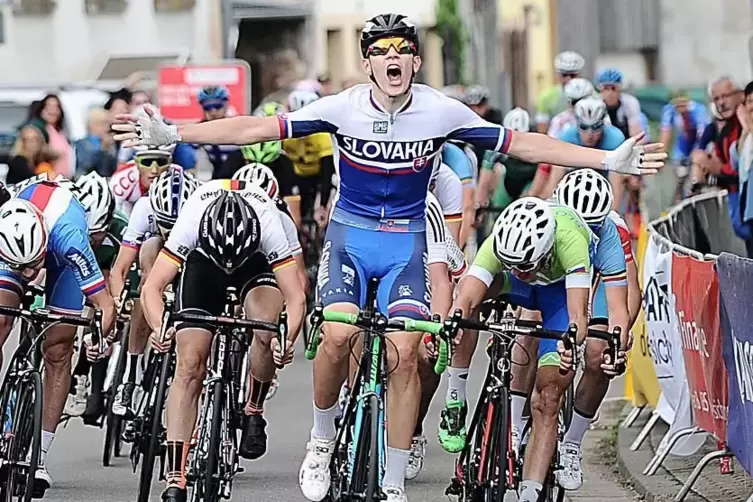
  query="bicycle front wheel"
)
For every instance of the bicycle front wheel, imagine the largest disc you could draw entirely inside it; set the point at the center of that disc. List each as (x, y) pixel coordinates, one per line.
(114, 422)
(25, 443)
(154, 442)
(212, 475)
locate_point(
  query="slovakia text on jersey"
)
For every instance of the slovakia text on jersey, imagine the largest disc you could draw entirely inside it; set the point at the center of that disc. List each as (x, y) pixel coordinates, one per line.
(385, 161)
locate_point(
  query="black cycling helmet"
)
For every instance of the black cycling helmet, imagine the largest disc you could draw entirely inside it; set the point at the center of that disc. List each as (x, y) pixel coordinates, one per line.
(387, 25)
(229, 231)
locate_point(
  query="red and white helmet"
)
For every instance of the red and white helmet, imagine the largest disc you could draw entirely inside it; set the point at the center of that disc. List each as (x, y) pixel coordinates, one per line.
(23, 233)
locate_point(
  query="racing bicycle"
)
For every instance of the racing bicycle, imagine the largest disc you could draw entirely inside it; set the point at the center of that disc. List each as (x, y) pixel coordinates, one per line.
(358, 461)
(213, 459)
(488, 467)
(21, 396)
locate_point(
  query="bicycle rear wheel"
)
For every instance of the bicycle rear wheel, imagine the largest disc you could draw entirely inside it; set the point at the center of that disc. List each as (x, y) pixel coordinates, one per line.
(154, 443)
(24, 446)
(114, 422)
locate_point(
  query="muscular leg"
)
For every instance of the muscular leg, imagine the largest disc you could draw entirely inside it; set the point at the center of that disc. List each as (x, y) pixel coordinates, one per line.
(263, 303)
(192, 350)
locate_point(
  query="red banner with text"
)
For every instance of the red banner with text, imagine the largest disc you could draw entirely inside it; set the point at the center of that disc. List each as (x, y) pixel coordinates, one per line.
(696, 291)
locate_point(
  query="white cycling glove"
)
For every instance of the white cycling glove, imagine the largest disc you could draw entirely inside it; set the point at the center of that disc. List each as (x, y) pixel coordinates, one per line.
(628, 158)
(153, 131)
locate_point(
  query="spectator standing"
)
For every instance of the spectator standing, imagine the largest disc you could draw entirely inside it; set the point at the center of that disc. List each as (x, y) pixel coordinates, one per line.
(96, 152)
(51, 112)
(741, 158)
(31, 154)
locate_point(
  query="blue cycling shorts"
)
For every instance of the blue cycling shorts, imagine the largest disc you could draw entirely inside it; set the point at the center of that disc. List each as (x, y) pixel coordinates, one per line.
(551, 301)
(62, 292)
(352, 256)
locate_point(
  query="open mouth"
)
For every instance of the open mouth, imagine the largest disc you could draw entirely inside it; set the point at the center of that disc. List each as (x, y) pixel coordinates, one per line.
(394, 74)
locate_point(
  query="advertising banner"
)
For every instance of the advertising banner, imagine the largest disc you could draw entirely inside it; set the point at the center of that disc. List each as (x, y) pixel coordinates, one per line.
(665, 345)
(736, 318)
(641, 377)
(179, 86)
(696, 290)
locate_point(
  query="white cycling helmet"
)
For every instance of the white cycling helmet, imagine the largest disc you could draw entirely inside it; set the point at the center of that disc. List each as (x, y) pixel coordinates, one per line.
(454, 91)
(569, 62)
(299, 99)
(588, 193)
(590, 112)
(168, 193)
(96, 197)
(578, 88)
(517, 119)
(23, 233)
(259, 175)
(524, 232)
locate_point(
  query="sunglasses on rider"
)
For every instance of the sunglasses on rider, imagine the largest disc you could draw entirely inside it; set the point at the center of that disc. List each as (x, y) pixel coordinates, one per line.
(148, 163)
(214, 105)
(34, 265)
(382, 46)
(569, 75)
(593, 127)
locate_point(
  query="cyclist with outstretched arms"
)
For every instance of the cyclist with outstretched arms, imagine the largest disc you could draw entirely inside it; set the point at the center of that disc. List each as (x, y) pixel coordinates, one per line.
(568, 65)
(388, 136)
(228, 234)
(148, 227)
(538, 256)
(590, 195)
(44, 226)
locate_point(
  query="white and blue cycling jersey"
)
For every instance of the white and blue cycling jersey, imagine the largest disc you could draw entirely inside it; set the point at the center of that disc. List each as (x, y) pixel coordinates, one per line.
(384, 163)
(72, 269)
(610, 268)
(459, 162)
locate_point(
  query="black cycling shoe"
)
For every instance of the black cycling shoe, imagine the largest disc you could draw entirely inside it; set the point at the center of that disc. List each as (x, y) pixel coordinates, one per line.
(95, 409)
(175, 494)
(254, 437)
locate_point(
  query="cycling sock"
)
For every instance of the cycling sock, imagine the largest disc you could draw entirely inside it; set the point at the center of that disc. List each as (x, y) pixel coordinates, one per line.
(47, 438)
(394, 471)
(324, 423)
(578, 427)
(133, 365)
(529, 490)
(257, 395)
(177, 453)
(518, 402)
(457, 382)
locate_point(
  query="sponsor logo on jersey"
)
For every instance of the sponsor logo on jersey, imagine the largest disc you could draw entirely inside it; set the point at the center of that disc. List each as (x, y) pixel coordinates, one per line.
(78, 260)
(380, 127)
(389, 151)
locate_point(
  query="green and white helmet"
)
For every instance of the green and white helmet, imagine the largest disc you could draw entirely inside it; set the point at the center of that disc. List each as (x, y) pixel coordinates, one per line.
(268, 151)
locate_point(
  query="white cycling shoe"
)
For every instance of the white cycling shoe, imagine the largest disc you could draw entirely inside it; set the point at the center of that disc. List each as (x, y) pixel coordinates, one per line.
(75, 404)
(416, 459)
(314, 477)
(570, 477)
(42, 477)
(395, 494)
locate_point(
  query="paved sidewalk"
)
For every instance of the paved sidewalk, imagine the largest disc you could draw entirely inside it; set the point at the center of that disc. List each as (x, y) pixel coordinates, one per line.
(711, 486)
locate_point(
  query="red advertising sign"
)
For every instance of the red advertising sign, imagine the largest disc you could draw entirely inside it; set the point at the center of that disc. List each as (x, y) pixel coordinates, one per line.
(179, 86)
(696, 290)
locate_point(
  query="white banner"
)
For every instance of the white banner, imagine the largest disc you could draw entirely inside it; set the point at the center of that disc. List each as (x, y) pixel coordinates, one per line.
(665, 345)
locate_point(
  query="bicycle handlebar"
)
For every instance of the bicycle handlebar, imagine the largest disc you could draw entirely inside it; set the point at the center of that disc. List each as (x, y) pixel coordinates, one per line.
(44, 315)
(446, 331)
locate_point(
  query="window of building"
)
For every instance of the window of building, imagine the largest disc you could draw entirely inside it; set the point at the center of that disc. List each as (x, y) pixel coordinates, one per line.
(173, 5)
(94, 7)
(34, 7)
